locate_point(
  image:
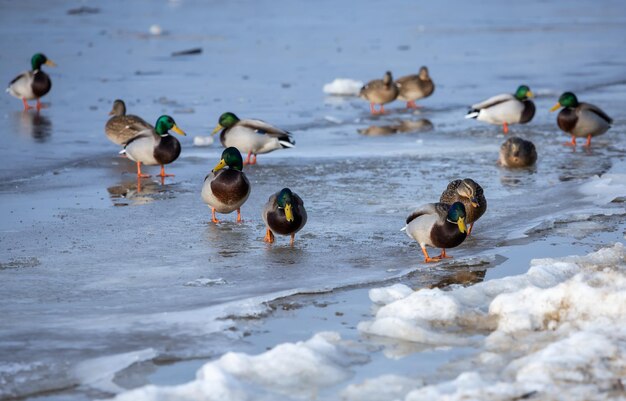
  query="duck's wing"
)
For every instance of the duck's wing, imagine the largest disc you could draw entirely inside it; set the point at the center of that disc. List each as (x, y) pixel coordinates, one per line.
(271, 205)
(595, 109)
(146, 133)
(438, 209)
(492, 101)
(263, 128)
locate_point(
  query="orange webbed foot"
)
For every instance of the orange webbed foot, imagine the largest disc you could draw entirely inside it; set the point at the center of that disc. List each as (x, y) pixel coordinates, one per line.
(269, 236)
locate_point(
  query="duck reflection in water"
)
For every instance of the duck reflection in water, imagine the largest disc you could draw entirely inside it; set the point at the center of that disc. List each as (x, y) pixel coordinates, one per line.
(404, 126)
(135, 192)
(34, 124)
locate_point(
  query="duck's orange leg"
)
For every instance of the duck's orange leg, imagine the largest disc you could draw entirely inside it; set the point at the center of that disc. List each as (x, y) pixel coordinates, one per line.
(572, 143)
(213, 217)
(443, 254)
(253, 161)
(382, 109)
(239, 220)
(247, 161)
(373, 109)
(26, 105)
(469, 230)
(588, 141)
(39, 104)
(269, 236)
(293, 238)
(162, 174)
(139, 171)
(505, 128)
(428, 259)
(412, 105)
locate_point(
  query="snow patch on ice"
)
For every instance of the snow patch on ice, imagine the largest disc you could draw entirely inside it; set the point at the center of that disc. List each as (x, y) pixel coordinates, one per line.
(205, 282)
(555, 332)
(343, 87)
(604, 189)
(383, 388)
(288, 371)
(386, 295)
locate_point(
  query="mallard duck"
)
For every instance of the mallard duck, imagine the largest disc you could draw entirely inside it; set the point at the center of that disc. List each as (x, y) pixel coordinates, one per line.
(415, 87)
(155, 146)
(505, 109)
(121, 128)
(225, 190)
(580, 119)
(470, 194)
(251, 136)
(438, 225)
(380, 91)
(517, 152)
(283, 214)
(33, 84)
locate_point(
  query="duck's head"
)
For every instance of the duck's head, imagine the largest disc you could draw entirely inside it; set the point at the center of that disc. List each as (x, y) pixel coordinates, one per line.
(166, 123)
(231, 157)
(568, 99)
(285, 201)
(39, 59)
(119, 108)
(523, 92)
(226, 120)
(423, 74)
(388, 78)
(469, 189)
(456, 215)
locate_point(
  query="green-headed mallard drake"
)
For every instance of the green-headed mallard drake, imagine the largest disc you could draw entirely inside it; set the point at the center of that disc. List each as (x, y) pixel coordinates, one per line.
(283, 214)
(516, 152)
(32, 84)
(225, 190)
(580, 119)
(415, 87)
(438, 225)
(505, 109)
(123, 127)
(380, 91)
(155, 146)
(251, 136)
(468, 192)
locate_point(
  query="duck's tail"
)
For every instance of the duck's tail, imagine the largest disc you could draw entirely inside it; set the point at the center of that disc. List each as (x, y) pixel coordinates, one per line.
(472, 113)
(287, 142)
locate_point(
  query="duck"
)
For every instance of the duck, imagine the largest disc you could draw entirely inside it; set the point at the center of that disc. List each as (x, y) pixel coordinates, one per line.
(155, 146)
(380, 91)
(32, 84)
(516, 152)
(226, 189)
(251, 136)
(505, 109)
(415, 87)
(284, 214)
(468, 192)
(580, 119)
(123, 127)
(437, 225)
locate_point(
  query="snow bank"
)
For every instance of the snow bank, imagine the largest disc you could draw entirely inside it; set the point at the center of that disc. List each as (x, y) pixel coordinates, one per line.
(557, 332)
(288, 371)
(343, 87)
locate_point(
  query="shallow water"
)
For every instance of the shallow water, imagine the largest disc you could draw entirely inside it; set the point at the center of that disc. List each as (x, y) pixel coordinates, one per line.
(95, 263)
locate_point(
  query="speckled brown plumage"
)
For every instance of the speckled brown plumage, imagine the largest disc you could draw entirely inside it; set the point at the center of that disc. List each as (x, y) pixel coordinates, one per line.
(516, 152)
(122, 127)
(463, 191)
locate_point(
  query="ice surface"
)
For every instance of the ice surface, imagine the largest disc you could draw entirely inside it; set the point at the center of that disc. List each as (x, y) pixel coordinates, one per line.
(343, 87)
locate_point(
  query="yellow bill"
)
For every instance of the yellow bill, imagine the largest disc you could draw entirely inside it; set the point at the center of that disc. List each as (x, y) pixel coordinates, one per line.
(530, 94)
(178, 130)
(217, 129)
(288, 212)
(219, 166)
(461, 224)
(50, 63)
(556, 106)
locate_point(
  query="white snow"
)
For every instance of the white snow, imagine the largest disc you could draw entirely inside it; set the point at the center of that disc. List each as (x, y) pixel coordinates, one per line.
(558, 330)
(288, 371)
(200, 140)
(205, 282)
(343, 87)
(603, 189)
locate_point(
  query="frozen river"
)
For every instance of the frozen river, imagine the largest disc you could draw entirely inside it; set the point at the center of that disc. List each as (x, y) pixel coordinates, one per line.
(109, 284)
